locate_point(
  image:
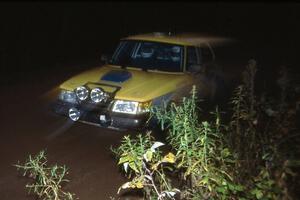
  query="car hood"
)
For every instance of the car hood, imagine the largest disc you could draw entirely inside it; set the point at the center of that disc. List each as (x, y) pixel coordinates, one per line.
(136, 85)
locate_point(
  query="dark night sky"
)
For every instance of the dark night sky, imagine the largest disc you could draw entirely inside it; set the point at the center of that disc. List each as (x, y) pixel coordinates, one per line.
(38, 35)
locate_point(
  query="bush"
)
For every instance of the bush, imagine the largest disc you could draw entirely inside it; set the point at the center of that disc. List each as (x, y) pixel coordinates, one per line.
(260, 126)
(201, 159)
(141, 160)
(250, 157)
(46, 181)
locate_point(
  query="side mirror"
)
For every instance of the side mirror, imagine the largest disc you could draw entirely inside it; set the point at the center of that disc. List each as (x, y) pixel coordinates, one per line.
(105, 58)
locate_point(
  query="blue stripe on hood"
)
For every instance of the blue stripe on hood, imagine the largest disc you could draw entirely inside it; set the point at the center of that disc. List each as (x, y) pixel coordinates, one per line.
(116, 76)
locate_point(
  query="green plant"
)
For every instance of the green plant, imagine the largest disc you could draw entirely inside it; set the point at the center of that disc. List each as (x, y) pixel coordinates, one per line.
(260, 128)
(142, 162)
(46, 181)
(246, 140)
(252, 157)
(203, 158)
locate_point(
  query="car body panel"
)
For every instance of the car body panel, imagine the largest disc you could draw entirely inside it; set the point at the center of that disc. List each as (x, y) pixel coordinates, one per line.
(187, 39)
(142, 86)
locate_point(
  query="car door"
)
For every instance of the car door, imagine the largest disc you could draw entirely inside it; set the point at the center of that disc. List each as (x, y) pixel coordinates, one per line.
(196, 67)
(213, 72)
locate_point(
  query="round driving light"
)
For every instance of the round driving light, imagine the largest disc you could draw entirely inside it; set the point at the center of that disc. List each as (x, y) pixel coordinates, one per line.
(97, 95)
(74, 114)
(82, 93)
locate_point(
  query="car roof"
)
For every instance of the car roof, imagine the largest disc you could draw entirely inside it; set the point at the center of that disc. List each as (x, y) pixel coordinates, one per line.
(186, 39)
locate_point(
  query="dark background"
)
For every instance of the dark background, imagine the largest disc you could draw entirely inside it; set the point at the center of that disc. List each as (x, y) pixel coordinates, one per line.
(36, 37)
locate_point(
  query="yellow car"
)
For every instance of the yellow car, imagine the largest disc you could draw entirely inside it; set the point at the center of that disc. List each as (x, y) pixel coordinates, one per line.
(145, 70)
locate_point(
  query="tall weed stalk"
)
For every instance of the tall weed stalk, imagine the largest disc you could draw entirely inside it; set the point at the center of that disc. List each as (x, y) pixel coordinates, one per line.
(46, 181)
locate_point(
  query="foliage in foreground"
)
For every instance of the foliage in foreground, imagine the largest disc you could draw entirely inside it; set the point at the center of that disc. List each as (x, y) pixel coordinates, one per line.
(243, 159)
(141, 159)
(200, 160)
(261, 126)
(46, 181)
(204, 160)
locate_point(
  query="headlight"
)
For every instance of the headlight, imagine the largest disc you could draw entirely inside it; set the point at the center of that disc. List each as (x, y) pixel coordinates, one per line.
(97, 95)
(67, 96)
(130, 107)
(82, 93)
(74, 114)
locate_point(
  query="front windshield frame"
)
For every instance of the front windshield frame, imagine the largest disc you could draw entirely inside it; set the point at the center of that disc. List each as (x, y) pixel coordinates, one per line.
(178, 65)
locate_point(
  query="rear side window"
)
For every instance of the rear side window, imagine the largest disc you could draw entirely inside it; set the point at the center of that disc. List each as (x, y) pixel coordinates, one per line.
(192, 57)
(206, 54)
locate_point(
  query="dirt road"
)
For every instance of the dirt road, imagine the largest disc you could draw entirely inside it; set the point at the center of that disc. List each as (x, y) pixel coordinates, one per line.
(27, 127)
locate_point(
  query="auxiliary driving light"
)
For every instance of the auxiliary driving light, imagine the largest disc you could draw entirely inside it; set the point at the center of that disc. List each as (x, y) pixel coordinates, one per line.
(82, 93)
(74, 114)
(98, 95)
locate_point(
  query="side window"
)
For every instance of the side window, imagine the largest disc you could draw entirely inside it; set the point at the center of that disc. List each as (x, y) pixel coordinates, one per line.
(206, 54)
(192, 58)
(145, 50)
(124, 52)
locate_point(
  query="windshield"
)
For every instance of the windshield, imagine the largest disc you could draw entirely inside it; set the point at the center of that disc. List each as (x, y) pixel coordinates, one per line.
(149, 55)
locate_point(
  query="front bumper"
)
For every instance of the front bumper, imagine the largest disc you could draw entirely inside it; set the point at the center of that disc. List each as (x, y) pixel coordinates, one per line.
(90, 115)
